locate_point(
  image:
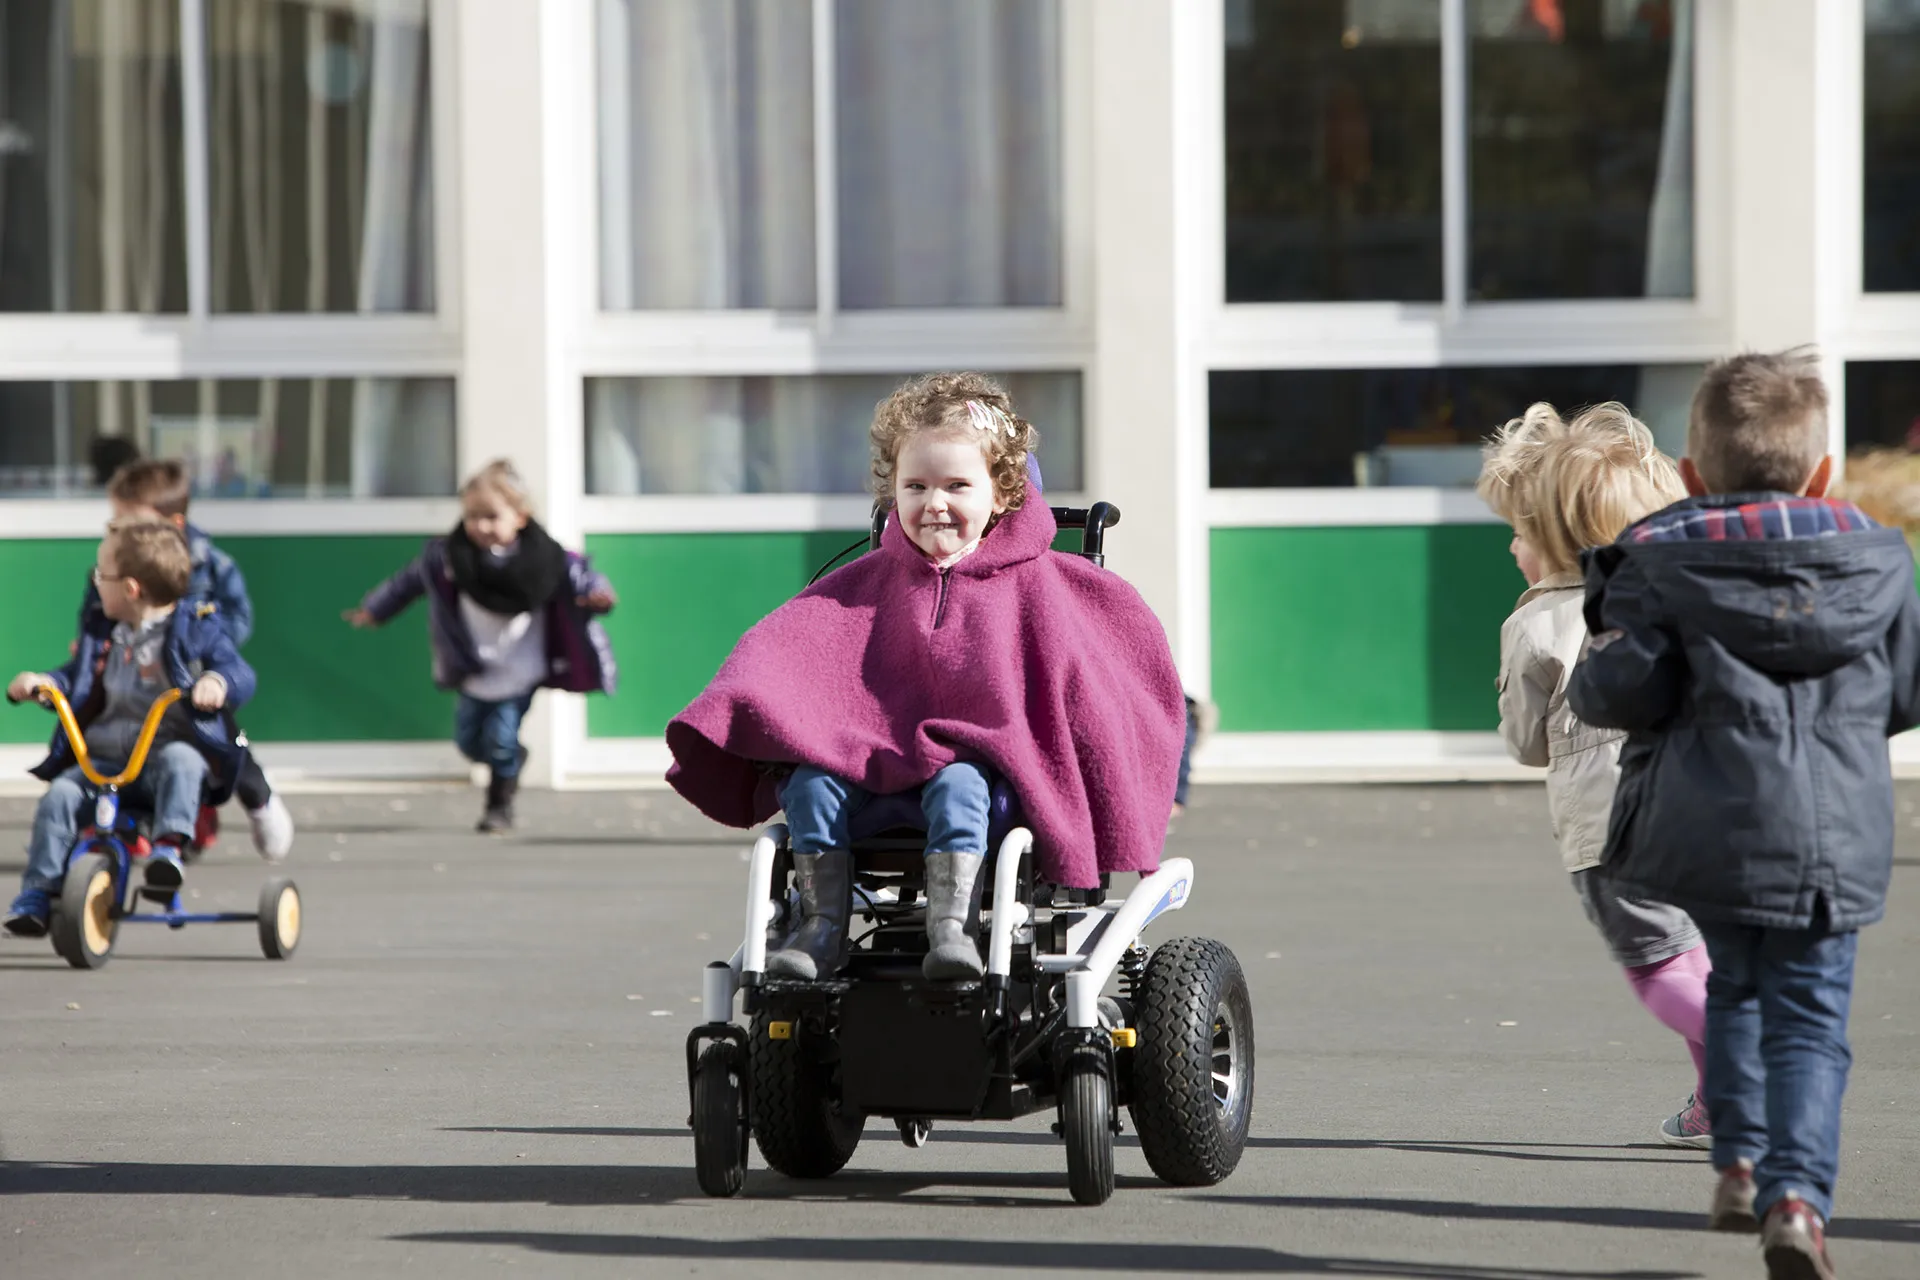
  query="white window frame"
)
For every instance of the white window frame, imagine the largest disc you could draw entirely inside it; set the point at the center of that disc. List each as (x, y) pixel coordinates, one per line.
(823, 340)
(202, 344)
(1455, 331)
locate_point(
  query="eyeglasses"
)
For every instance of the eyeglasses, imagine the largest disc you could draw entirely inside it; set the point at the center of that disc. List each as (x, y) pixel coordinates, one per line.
(102, 579)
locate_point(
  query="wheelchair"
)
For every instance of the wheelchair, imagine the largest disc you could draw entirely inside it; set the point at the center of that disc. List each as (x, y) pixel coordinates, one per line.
(98, 893)
(1173, 1044)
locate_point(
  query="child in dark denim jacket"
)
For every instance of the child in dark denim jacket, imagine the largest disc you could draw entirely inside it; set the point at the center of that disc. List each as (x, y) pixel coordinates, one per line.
(1759, 642)
(511, 611)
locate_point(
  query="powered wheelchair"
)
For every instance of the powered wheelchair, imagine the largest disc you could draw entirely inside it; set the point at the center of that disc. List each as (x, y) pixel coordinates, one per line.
(1173, 1043)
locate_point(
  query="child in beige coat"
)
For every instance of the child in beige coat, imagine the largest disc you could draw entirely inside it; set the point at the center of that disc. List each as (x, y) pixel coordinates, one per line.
(1564, 486)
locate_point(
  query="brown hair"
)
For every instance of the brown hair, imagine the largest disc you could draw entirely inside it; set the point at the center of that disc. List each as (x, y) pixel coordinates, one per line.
(502, 480)
(160, 483)
(154, 554)
(937, 402)
(1759, 422)
(1568, 485)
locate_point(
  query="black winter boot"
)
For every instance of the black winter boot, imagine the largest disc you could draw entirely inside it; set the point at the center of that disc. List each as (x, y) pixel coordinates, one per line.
(499, 814)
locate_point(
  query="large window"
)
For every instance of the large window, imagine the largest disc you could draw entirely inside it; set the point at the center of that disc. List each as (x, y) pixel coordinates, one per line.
(944, 161)
(1891, 107)
(1570, 170)
(320, 159)
(1316, 428)
(92, 207)
(687, 435)
(257, 438)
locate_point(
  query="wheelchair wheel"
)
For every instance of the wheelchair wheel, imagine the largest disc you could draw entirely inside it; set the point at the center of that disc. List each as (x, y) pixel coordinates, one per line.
(279, 918)
(84, 924)
(914, 1132)
(719, 1121)
(794, 1120)
(1086, 1122)
(1192, 1094)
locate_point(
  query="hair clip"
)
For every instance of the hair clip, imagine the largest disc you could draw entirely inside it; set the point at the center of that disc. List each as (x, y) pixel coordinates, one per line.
(990, 419)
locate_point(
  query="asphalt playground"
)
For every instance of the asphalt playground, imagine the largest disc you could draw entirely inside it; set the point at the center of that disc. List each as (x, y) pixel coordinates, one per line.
(474, 1066)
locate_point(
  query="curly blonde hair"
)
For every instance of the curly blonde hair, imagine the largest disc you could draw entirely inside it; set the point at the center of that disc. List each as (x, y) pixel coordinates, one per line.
(500, 479)
(1568, 485)
(937, 402)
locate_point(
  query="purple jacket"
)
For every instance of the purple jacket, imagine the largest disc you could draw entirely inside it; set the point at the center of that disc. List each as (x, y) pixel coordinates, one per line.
(579, 656)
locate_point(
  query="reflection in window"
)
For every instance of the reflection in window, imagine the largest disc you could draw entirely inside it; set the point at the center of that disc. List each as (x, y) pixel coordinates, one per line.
(1581, 149)
(273, 438)
(1891, 106)
(706, 154)
(1333, 150)
(948, 153)
(91, 205)
(781, 435)
(1321, 428)
(321, 160)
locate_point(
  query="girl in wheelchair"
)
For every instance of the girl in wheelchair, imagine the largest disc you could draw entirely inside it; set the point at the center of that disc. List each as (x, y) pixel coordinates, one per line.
(961, 652)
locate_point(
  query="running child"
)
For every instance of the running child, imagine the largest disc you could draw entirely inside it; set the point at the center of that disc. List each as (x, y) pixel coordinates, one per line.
(1564, 486)
(1759, 642)
(510, 611)
(963, 653)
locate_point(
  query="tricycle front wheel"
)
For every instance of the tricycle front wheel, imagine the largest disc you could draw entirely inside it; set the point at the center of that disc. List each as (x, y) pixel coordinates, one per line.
(85, 922)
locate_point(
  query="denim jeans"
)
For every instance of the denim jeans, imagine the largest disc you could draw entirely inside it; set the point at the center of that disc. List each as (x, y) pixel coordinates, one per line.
(489, 732)
(1777, 1055)
(821, 809)
(169, 788)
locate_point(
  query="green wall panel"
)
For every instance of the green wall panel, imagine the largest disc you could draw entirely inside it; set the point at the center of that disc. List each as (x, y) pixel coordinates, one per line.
(684, 600)
(1359, 628)
(320, 680)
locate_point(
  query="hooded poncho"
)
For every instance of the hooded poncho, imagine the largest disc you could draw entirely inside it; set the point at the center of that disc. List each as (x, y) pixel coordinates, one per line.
(1045, 667)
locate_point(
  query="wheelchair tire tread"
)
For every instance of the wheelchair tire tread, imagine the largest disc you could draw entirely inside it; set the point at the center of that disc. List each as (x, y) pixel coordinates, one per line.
(1184, 1135)
(793, 1122)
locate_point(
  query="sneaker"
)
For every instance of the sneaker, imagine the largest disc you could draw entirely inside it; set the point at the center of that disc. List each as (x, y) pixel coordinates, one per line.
(1733, 1200)
(27, 917)
(1688, 1127)
(1794, 1241)
(272, 828)
(164, 869)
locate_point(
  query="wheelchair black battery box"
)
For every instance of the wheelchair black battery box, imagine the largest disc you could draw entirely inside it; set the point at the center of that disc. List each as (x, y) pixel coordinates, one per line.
(917, 1050)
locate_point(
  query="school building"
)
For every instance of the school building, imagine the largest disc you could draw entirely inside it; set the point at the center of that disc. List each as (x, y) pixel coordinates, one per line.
(1263, 271)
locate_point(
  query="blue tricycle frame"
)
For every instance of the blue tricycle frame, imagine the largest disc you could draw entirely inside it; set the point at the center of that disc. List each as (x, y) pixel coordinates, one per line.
(97, 892)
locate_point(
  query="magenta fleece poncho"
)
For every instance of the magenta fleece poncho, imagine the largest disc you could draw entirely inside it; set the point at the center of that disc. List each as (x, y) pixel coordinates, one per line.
(1040, 664)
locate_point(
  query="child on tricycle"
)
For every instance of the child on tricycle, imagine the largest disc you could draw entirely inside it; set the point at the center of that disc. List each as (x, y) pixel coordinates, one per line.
(143, 644)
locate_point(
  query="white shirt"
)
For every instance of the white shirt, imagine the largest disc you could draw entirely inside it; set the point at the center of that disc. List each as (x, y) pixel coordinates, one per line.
(513, 652)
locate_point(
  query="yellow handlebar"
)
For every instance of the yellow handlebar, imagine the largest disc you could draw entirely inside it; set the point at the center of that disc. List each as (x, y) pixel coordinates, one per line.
(52, 697)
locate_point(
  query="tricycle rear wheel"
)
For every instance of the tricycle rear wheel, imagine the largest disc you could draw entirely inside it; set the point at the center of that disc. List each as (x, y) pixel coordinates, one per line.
(279, 918)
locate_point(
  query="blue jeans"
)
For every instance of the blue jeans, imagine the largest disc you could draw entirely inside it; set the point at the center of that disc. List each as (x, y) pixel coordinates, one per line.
(489, 732)
(1777, 1055)
(169, 788)
(821, 809)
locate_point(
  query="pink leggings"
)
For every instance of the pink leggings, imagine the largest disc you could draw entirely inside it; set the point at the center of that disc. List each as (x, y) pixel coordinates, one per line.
(1674, 990)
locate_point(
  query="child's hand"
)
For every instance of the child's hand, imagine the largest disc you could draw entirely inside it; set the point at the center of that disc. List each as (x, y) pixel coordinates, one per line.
(210, 692)
(24, 685)
(359, 618)
(600, 600)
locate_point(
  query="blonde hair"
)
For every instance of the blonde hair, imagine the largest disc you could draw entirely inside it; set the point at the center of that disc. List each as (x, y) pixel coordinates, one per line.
(500, 479)
(965, 406)
(1759, 422)
(1568, 485)
(154, 554)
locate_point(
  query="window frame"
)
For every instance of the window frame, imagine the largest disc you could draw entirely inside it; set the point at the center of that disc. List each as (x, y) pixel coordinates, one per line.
(1456, 330)
(203, 344)
(757, 342)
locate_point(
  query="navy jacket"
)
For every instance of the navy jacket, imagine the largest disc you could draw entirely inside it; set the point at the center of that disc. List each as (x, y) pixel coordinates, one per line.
(197, 643)
(1758, 649)
(579, 655)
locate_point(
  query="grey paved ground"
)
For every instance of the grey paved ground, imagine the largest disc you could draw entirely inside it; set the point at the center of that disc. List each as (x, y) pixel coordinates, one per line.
(473, 1067)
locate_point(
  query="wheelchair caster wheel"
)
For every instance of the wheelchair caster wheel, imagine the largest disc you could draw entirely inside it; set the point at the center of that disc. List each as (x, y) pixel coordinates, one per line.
(914, 1132)
(1086, 1122)
(719, 1127)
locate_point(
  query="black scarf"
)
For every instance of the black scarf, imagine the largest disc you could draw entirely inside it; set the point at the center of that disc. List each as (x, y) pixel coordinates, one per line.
(511, 584)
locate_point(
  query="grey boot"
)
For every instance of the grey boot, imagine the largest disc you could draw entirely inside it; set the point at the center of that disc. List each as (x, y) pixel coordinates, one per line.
(818, 947)
(953, 917)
